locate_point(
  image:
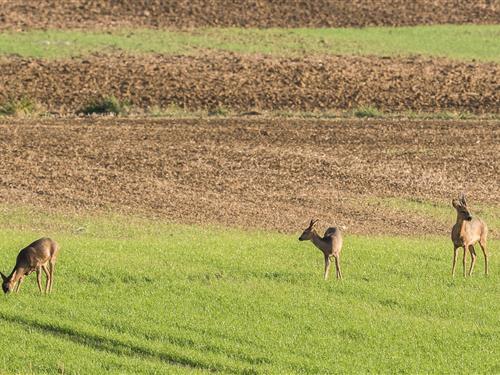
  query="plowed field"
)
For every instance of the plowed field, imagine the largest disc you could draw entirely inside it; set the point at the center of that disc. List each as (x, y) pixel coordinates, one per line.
(267, 173)
(282, 13)
(255, 82)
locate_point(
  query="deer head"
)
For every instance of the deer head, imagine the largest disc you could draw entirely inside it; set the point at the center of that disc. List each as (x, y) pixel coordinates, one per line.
(6, 284)
(460, 205)
(308, 232)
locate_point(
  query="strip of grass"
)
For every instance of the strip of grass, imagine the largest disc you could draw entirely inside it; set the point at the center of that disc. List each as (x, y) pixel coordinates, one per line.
(23, 107)
(111, 106)
(460, 42)
(139, 296)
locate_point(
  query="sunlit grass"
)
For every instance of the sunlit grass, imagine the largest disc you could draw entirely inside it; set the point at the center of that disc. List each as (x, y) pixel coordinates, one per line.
(460, 42)
(134, 295)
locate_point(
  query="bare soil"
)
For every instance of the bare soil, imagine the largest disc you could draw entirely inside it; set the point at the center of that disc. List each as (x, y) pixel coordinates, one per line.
(245, 83)
(24, 14)
(265, 173)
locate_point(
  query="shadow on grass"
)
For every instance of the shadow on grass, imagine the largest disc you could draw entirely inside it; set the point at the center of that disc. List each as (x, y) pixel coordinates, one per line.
(114, 346)
(206, 347)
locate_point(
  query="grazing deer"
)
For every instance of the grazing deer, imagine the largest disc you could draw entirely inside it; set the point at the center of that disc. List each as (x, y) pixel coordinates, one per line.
(465, 233)
(330, 245)
(39, 255)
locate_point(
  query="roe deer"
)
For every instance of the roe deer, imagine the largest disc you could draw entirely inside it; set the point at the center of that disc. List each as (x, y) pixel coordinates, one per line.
(34, 257)
(330, 245)
(465, 233)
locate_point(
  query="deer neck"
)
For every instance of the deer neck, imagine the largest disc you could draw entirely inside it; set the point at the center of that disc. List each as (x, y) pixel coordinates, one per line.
(15, 275)
(462, 225)
(318, 241)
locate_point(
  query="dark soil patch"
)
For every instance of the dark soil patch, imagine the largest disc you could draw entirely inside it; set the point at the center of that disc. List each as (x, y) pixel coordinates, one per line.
(247, 83)
(23, 14)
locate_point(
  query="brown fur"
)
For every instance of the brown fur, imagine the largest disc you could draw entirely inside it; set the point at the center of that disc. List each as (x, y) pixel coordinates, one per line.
(467, 231)
(41, 254)
(330, 245)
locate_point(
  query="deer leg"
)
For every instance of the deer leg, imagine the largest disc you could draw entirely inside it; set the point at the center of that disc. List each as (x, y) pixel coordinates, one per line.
(39, 278)
(327, 266)
(465, 260)
(52, 265)
(482, 243)
(47, 284)
(455, 256)
(19, 284)
(473, 256)
(337, 266)
(332, 258)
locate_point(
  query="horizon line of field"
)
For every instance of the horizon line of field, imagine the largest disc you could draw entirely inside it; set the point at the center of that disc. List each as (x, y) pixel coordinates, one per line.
(459, 42)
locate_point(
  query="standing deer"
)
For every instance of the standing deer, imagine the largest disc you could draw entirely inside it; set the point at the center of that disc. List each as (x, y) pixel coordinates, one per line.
(330, 245)
(465, 233)
(39, 255)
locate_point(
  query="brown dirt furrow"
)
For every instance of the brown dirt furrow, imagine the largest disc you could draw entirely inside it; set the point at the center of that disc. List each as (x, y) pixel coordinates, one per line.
(272, 174)
(252, 82)
(23, 14)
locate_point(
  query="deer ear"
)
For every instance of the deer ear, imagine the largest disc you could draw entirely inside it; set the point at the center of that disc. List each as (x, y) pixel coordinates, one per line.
(462, 199)
(454, 203)
(3, 276)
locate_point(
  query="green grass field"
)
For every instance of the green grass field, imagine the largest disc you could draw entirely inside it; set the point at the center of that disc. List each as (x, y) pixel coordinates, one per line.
(460, 42)
(142, 296)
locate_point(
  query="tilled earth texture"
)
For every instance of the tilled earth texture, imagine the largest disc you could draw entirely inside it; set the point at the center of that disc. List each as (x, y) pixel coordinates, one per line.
(255, 82)
(22, 14)
(266, 173)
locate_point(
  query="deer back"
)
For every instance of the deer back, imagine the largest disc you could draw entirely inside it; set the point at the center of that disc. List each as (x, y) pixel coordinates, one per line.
(36, 254)
(334, 235)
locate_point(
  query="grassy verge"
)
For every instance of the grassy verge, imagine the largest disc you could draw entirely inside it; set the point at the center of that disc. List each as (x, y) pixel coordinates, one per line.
(360, 112)
(111, 106)
(23, 107)
(460, 42)
(139, 296)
